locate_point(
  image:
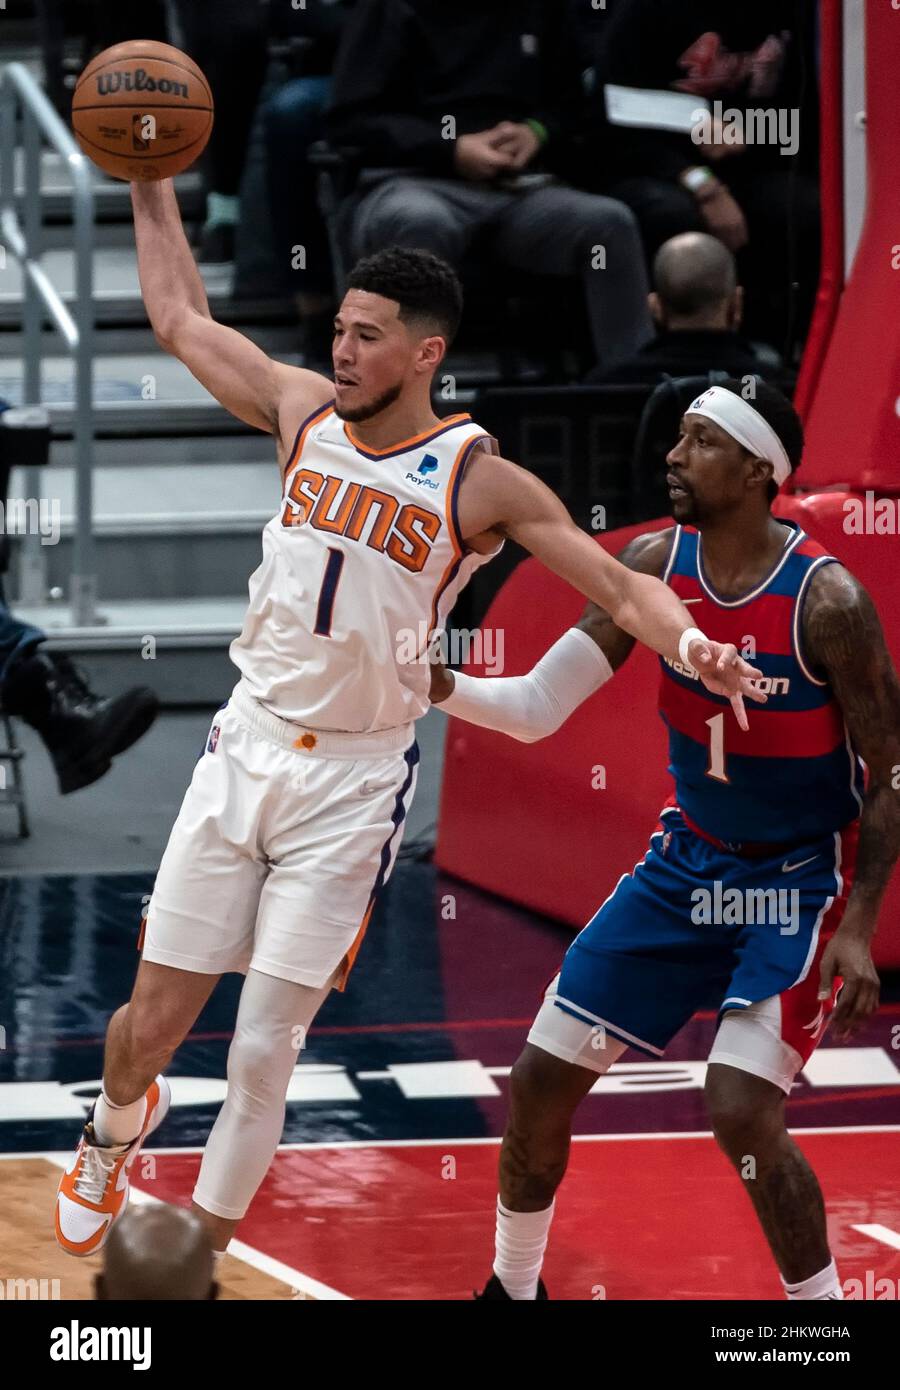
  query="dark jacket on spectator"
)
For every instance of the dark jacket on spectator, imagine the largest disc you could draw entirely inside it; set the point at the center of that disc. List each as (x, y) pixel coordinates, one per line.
(405, 66)
(687, 352)
(320, 24)
(715, 51)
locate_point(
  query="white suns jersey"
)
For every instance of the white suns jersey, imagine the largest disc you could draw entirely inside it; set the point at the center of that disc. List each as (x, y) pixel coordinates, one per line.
(361, 564)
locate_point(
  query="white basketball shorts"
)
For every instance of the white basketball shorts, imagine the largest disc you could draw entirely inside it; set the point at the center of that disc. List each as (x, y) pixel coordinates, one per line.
(283, 841)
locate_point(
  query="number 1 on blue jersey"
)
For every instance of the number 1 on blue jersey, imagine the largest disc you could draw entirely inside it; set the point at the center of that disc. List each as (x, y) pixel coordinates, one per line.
(716, 768)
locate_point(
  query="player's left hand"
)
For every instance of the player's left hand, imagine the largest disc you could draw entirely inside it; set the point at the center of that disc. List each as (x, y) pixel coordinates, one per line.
(848, 955)
(726, 673)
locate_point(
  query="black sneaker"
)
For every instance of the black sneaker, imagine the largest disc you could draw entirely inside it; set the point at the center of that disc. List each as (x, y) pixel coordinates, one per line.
(81, 731)
(216, 244)
(494, 1289)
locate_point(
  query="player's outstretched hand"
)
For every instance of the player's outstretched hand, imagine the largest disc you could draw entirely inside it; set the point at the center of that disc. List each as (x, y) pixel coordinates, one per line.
(848, 955)
(726, 673)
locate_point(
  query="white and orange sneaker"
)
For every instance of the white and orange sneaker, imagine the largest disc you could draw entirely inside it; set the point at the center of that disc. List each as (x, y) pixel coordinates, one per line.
(93, 1191)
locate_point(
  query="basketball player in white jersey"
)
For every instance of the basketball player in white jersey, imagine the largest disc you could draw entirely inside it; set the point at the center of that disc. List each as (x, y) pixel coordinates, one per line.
(293, 818)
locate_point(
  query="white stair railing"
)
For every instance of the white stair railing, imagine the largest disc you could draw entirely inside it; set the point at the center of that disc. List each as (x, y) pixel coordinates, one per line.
(21, 97)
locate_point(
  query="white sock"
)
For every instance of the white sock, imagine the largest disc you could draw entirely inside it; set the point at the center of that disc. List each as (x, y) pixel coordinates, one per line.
(819, 1286)
(118, 1124)
(218, 1257)
(520, 1244)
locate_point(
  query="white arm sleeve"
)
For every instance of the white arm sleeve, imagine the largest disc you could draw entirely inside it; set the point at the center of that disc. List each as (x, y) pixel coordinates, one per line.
(533, 706)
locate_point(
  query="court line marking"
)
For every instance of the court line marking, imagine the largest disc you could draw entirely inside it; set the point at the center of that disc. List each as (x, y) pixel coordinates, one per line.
(367, 1029)
(882, 1233)
(61, 1158)
(267, 1265)
(246, 1253)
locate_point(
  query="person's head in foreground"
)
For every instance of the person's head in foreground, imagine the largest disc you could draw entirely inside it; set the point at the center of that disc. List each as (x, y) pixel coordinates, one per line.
(695, 285)
(733, 453)
(399, 315)
(157, 1254)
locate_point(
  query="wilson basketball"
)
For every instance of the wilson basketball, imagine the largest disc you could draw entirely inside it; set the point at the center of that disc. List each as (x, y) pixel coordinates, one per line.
(142, 110)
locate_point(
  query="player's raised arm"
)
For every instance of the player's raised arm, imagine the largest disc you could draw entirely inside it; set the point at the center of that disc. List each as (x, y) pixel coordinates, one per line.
(242, 378)
(498, 498)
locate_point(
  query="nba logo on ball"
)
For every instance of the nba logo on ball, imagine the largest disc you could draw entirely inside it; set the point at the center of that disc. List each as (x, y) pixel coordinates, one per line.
(213, 739)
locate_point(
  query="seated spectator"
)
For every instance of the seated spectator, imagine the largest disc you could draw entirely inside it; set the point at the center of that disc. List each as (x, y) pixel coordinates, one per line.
(757, 193)
(81, 731)
(227, 38)
(294, 119)
(158, 1254)
(697, 306)
(478, 106)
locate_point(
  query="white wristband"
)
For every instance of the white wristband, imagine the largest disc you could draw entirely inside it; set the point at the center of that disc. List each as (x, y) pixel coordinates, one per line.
(690, 634)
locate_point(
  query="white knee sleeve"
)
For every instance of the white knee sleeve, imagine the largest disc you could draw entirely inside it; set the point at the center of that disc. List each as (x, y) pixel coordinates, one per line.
(273, 1019)
(750, 1039)
(573, 1039)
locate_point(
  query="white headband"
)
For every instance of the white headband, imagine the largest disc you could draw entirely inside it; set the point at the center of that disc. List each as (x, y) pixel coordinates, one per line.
(738, 418)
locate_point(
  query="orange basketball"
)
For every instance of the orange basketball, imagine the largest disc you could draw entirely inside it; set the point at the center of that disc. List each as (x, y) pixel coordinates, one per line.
(142, 110)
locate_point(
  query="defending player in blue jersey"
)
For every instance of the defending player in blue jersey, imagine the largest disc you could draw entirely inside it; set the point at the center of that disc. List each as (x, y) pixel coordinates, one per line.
(762, 881)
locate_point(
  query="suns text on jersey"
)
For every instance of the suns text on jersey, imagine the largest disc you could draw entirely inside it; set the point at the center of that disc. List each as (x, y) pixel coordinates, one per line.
(403, 531)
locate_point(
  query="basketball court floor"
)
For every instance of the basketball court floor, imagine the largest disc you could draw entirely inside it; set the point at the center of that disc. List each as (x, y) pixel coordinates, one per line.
(385, 1181)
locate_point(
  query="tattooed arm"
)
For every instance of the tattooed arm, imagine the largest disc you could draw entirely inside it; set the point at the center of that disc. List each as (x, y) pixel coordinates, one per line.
(844, 642)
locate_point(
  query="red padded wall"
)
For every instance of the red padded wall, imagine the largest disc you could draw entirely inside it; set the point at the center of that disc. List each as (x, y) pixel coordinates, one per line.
(525, 821)
(853, 427)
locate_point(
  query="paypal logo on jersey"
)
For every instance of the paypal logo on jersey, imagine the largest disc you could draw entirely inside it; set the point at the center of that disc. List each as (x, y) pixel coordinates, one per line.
(428, 465)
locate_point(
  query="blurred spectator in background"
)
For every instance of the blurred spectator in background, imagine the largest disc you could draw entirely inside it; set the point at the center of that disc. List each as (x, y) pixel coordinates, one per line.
(478, 104)
(762, 203)
(228, 39)
(81, 731)
(293, 121)
(697, 306)
(157, 1254)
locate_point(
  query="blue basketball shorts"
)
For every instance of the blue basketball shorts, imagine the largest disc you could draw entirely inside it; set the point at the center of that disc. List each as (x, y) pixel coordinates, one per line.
(694, 923)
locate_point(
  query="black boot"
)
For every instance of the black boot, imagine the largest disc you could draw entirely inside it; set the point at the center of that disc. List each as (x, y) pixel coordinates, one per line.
(81, 731)
(494, 1289)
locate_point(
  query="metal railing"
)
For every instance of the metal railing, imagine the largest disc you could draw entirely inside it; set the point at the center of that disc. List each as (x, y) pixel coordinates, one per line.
(21, 95)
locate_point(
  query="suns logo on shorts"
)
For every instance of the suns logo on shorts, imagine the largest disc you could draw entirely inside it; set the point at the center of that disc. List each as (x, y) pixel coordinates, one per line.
(213, 739)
